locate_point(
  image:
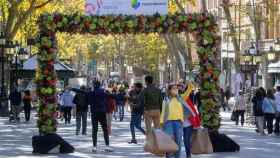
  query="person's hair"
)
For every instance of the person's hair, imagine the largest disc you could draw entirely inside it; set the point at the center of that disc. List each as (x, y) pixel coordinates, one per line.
(169, 88)
(278, 88)
(262, 90)
(149, 79)
(259, 93)
(27, 92)
(83, 87)
(270, 94)
(138, 85)
(96, 84)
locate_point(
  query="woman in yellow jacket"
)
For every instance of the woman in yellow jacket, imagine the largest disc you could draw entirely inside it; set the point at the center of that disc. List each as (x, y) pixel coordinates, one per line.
(174, 112)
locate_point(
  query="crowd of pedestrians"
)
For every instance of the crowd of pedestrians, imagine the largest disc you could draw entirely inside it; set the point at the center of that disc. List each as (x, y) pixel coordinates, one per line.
(265, 109)
(159, 109)
(168, 109)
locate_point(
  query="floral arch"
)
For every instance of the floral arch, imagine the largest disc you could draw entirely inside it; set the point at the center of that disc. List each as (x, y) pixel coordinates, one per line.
(202, 26)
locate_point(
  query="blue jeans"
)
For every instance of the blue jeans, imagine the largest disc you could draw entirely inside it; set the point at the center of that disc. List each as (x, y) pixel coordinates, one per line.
(175, 130)
(187, 139)
(135, 123)
(121, 112)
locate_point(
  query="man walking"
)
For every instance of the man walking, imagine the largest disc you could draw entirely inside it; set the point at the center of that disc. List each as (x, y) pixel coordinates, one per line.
(277, 100)
(15, 100)
(80, 100)
(151, 99)
(137, 110)
(98, 103)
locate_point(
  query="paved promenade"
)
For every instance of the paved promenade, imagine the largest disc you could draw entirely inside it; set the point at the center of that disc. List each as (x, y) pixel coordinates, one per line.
(15, 142)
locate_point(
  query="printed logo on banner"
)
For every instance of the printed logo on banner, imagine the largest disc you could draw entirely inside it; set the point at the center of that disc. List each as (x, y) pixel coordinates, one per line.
(92, 8)
(135, 4)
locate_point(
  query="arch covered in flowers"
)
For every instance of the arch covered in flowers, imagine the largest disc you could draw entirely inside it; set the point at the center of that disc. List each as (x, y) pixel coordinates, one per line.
(202, 26)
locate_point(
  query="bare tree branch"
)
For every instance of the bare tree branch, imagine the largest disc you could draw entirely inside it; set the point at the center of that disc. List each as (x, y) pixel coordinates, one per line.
(225, 6)
(43, 4)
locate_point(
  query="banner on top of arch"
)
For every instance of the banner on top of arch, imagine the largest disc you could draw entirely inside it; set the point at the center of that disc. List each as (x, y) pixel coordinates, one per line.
(126, 7)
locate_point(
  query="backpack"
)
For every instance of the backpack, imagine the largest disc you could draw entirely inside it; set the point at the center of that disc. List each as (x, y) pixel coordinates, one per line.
(258, 107)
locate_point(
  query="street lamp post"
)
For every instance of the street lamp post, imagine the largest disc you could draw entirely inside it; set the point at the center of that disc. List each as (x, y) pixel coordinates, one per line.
(2, 45)
(251, 63)
(252, 52)
(21, 55)
(169, 69)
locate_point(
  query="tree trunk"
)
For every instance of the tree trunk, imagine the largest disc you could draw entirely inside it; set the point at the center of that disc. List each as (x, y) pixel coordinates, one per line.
(203, 6)
(187, 53)
(255, 16)
(174, 52)
(16, 18)
(232, 31)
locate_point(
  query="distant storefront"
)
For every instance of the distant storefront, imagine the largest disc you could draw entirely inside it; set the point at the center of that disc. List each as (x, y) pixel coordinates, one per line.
(274, 72)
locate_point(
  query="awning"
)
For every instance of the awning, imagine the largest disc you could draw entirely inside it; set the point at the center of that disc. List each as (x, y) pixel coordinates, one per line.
(30, 65)
(274, 67)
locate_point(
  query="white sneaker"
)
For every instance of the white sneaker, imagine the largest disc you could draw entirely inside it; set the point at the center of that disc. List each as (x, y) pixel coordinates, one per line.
(94, 150)
(108, 149)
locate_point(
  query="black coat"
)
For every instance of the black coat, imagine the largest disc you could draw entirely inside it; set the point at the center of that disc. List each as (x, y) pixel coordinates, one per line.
(97, 100)
(136, 106)
(15, 98)
(81, 102)
(257, 106)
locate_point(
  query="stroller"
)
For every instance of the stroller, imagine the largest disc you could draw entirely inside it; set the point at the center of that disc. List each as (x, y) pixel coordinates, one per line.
(14, 114)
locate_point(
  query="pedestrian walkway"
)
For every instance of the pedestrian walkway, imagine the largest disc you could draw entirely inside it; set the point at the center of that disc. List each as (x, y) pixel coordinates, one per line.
(15, 142)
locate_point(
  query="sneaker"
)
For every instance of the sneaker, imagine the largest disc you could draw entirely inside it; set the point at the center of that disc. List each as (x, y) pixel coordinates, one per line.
(94, 150)
(133, 142)
(108, 149)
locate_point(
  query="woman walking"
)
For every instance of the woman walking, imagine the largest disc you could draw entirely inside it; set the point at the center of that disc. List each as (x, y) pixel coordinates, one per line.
(27, 99)
(67, 103)
(192, 122)
(269, 109)
(174, 112)
(239, 108)
(258, 111)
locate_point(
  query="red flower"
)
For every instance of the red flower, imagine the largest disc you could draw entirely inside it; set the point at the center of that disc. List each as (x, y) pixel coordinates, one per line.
(52, 82)
(57, 18)
(46, 72)
(51, 62)
(51, 50)
(87, 24)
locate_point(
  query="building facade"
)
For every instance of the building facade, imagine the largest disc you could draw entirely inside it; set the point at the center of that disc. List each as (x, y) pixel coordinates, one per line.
(246, 15)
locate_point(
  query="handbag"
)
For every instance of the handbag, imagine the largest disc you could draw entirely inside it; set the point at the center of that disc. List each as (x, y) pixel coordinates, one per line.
(201, 143)
(233, 116)
(160, 143)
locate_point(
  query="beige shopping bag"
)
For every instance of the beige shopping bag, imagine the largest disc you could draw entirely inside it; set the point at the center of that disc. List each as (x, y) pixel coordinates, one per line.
(201, 143)
(159, 143)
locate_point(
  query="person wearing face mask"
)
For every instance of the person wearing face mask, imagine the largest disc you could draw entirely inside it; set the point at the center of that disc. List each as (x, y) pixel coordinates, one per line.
(174, 112)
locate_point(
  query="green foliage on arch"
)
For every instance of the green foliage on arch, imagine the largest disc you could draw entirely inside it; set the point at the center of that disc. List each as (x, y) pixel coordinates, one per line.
(202, 26)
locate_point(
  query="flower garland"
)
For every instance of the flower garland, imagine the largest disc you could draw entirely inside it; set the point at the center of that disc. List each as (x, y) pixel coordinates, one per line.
(202, 26)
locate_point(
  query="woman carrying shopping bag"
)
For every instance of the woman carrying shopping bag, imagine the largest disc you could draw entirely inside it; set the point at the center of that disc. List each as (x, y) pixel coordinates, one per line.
(191, 123)
(174, 112)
